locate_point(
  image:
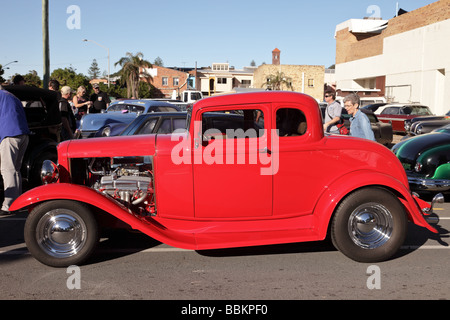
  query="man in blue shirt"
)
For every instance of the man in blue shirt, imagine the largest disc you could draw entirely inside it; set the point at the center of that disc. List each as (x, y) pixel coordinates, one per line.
(14, 133)
(359, 122)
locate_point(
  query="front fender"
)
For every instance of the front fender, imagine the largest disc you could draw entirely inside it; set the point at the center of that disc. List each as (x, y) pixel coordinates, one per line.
(346, 184)
(67, 191)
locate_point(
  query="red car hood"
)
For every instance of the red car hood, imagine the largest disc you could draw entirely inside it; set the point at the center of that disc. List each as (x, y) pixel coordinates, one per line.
(121, 146)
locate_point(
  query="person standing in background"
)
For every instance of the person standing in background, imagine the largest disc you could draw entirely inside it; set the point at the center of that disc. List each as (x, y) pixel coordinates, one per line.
(99, 99)
(14, 137)
(359, 123)
(332, 113)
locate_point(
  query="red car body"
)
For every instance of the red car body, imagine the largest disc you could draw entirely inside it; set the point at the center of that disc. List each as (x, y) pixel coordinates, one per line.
(192, 203)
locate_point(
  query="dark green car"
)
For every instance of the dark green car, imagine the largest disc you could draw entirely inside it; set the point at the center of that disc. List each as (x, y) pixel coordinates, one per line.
(426, 160)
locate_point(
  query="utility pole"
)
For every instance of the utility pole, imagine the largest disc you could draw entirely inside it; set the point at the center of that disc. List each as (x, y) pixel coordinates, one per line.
(45, 42)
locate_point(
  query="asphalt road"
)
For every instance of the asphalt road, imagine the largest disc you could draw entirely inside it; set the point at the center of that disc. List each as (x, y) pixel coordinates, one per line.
(134, 267)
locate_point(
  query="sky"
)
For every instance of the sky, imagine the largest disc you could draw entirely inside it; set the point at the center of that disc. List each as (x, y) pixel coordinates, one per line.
(181, 33)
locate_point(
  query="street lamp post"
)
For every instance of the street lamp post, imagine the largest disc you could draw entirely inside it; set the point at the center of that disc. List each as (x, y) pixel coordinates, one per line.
(107, 49)
(15, 61)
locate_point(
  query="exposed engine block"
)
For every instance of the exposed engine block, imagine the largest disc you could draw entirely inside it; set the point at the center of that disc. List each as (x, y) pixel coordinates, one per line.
(126, 179)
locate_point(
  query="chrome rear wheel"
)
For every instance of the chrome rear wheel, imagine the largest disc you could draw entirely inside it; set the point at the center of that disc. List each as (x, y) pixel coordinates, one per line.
(369, 225)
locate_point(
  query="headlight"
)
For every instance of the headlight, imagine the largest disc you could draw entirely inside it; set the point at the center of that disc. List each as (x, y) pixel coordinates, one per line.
(419, 129)
(418, 167)
(49, 172)
(106, 132)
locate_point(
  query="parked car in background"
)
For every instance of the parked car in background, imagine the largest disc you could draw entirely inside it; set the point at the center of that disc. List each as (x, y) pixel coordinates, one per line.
(398, 113)
(426, 160)
(44, 120)
(421, 125)
(165, 123)
(155, 122)
(122, 111)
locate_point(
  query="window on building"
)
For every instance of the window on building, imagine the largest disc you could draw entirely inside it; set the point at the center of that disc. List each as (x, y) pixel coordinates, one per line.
(222, 80)
(165, 81)
(176, 81)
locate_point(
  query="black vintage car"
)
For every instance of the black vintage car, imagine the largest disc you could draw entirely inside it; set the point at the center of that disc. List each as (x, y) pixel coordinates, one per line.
(44, 120)
(422, 125)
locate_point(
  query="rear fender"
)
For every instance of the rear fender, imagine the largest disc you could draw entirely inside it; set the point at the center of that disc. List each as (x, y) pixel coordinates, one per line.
(345, 185)
(66, 191)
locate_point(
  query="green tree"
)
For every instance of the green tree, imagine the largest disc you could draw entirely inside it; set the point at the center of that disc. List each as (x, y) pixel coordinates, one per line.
(94, 70)
(131, 72)
(158, 62)
(277, 81)
(2, 72)
(68, 77)
(32, 79)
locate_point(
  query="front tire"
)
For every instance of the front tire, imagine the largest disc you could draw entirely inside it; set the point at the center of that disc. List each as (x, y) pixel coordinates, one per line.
(370, 225)
(61, 233)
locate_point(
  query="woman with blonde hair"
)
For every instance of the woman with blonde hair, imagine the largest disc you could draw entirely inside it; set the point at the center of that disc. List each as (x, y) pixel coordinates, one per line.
(81, 102)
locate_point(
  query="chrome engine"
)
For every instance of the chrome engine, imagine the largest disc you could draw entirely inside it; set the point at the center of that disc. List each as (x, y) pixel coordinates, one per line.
(126, 179)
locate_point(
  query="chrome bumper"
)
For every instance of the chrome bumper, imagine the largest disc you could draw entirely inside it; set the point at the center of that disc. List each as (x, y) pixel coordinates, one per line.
(423, 184)
(428, 213)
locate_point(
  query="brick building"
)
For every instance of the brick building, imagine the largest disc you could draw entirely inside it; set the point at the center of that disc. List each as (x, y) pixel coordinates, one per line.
(167, 81)
(404, 59)
(305, 78)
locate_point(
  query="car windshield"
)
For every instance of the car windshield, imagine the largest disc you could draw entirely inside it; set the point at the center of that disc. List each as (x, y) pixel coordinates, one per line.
(125, 108)
(420, 110)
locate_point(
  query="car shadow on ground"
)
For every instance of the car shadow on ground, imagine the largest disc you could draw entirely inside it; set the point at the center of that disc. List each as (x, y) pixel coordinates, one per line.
(124, 243)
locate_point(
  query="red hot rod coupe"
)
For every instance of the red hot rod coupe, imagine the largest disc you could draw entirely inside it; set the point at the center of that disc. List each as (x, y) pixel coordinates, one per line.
(270, 176)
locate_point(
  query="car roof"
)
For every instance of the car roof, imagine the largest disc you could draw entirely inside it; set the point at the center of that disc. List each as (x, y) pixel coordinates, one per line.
(28, 93)
(405, 105)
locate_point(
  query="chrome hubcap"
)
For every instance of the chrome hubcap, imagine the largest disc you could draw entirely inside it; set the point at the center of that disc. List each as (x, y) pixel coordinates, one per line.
(61, 233)
(370, 225)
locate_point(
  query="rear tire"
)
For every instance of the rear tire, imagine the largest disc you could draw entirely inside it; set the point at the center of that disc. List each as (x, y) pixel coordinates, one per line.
(61, 233)
(369, 225)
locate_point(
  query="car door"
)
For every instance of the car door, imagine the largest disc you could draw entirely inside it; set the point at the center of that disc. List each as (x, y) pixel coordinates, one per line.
(300, 178)
(230, 155)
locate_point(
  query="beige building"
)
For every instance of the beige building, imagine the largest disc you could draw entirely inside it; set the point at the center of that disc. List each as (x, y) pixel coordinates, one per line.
(303, 78)
(405, 59)
(221, 78)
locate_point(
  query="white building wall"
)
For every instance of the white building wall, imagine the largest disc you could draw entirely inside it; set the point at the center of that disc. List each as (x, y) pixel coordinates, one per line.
(416, 64)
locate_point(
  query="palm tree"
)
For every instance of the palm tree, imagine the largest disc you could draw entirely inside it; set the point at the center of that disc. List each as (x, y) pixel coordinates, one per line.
(131, 72)
(276, 81)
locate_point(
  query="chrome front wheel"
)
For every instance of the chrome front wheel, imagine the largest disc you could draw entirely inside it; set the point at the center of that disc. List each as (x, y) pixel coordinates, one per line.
(61, 233)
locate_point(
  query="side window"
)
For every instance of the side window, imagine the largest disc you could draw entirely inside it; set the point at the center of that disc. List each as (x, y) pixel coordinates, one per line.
(148, 127)
(165, 126)
(133, 108)
(393, 110)
(179, 124)
(232, 124)
(290, 122)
